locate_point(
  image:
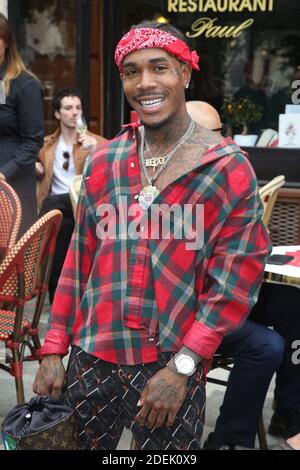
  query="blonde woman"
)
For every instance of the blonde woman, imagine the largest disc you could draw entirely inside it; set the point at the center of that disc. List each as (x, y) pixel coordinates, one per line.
(21, 123)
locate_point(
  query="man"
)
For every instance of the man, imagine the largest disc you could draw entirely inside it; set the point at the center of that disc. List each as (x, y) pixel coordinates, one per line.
(144, 313)
(277, 306)
(205, 114)
(60, 159)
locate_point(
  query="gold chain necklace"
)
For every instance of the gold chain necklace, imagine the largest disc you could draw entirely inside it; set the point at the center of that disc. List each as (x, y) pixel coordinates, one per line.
(150, 192)
(156, 161)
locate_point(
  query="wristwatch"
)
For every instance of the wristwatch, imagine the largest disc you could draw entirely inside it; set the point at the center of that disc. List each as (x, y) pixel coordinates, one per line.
(184, 364)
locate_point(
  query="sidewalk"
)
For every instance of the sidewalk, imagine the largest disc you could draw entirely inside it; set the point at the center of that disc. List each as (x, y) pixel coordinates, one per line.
(214, 394)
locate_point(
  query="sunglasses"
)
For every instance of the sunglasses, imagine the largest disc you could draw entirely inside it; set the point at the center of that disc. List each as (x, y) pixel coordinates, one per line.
(66, 155)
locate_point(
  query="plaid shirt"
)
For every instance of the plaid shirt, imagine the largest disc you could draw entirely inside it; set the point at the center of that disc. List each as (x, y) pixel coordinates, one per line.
(124, 299)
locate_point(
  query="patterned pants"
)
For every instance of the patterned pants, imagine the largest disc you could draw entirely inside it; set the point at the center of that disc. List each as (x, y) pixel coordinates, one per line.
(105, 397)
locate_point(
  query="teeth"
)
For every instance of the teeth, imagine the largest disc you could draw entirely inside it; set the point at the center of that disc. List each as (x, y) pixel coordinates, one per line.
(151, 103)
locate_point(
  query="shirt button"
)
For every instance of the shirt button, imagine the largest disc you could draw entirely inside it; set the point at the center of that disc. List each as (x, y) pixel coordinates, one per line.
(132, 164)
(136, 196)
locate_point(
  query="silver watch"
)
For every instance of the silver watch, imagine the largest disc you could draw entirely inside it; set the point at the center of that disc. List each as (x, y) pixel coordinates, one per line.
(184, 364)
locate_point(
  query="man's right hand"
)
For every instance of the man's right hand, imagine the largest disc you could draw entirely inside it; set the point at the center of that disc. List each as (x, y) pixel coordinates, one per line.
(50, 377)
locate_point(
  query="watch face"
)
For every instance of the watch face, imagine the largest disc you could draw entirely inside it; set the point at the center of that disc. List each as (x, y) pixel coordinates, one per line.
(184, 364)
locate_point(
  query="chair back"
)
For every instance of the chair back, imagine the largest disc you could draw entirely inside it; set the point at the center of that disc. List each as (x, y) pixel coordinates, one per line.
(75, 186)
(10, 217)
(268, 195)
(24, 268)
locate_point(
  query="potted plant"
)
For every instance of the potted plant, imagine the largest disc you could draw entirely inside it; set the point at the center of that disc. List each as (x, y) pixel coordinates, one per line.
(238, 114)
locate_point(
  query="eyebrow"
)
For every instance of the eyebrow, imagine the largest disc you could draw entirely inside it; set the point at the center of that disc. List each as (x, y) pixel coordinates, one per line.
(152, 61)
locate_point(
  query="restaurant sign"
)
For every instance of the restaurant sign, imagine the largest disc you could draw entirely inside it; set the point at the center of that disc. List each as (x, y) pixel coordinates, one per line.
(210, 27)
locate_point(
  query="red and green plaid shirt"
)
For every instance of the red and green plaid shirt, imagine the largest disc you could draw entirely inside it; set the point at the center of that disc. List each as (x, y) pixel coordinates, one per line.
(123, 300)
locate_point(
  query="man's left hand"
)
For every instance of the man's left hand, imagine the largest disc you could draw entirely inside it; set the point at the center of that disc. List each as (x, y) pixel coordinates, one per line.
(162, 398)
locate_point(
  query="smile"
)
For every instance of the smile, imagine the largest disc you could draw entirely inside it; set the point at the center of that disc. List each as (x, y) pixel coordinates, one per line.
(151, 104)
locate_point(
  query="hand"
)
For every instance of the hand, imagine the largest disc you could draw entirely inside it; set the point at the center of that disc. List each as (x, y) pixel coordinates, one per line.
(39, 170)
(88, 142)
(2, 177)
(162, 398)
(50, 377)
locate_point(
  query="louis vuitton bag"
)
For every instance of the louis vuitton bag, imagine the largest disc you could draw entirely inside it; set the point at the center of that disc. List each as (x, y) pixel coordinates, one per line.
(44, 423)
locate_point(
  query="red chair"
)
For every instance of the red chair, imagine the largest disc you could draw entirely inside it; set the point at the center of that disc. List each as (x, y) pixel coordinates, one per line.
(24, 274)
(10, 217)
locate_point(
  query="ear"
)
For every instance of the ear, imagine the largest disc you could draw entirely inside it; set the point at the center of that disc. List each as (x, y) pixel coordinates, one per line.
(186, 73)
(57, 115)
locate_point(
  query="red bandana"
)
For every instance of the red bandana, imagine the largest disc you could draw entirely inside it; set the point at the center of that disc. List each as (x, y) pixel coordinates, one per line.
(144, 38)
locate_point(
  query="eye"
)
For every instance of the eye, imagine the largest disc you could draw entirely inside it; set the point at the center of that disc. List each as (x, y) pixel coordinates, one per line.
(130, 73)
(160, 68)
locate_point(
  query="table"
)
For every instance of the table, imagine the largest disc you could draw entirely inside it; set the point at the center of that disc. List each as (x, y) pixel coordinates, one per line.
(285, 274)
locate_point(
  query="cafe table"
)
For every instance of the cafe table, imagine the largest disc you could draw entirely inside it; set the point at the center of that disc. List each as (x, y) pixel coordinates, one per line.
(288, 273)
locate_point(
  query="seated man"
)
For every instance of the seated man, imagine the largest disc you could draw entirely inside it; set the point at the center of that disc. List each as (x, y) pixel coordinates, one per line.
(255, 348)
(204, 114)
(62, 157)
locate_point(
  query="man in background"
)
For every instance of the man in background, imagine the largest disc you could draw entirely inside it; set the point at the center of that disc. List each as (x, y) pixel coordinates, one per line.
(61, 158)
(277, 306)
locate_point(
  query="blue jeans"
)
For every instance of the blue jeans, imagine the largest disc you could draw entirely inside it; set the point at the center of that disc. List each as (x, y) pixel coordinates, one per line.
(258, 353)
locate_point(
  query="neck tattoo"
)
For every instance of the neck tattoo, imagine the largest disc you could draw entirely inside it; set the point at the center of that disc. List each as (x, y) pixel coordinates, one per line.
(156, 161)
(150, 192)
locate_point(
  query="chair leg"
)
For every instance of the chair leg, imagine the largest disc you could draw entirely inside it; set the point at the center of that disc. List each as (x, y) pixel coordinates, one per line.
(261, 433)
(20, 390)
(17, 370)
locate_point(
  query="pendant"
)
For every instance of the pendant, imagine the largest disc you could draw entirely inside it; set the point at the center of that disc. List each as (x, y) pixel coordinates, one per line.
(155, 161)
(147, 196)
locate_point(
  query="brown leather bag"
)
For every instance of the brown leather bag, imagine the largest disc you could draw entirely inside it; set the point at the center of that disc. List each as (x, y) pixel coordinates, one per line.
(44, 423)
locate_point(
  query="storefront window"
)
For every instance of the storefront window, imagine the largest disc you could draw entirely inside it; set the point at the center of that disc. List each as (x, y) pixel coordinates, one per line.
(248, 48)
(47, 43)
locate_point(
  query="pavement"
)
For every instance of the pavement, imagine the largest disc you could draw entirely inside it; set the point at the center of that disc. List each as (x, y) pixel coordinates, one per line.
(215, 393)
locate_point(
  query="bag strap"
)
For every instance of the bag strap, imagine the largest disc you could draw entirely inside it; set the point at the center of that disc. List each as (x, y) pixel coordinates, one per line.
(28, 417)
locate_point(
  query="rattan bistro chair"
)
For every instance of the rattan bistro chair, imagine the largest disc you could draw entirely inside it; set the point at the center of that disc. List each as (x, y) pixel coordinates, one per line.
(268, 195)
(10, 217)
(74, 189)
(24, 274)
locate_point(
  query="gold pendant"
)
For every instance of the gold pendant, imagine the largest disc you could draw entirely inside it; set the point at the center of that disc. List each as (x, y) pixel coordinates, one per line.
(155, 161)
(147, 196)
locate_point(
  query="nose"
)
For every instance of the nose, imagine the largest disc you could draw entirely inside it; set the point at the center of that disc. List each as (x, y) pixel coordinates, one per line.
(147, 81)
